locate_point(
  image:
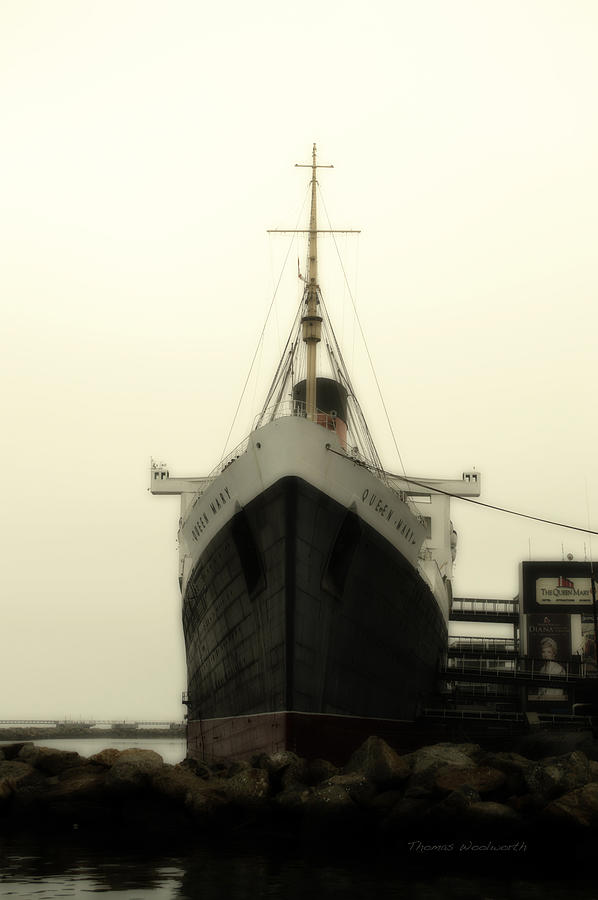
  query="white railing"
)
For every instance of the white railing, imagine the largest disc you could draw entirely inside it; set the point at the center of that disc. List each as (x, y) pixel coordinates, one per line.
(487, 607)
(533, 669)
(508, 645)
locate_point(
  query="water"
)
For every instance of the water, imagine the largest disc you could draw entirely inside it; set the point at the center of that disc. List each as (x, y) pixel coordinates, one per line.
(44, 867)
(172, 750)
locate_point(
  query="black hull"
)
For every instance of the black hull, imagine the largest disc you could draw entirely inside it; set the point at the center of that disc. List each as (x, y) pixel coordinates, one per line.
(297, 605)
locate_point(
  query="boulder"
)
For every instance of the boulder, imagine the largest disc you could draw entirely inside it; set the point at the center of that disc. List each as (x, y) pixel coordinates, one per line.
(578, 808)
(48, 759)
(105, 757)
(359, 788)
(294, 799)
(491, 815)
(196, 767)
(76, 801)
(247, 787)
(514, 767)
(174, 782)
(287, 770)
(319, 770)
(11, 751)
(85, 785)
(148, 760)
(236, 767)
(132, 769)
(12, 774)
(86, 768)
(328, 800)
(450, 810)
(444, 754)
(482, 779)
(558, 775)
(382, 804)
(378, 763)
(281, 760)
(205, 803)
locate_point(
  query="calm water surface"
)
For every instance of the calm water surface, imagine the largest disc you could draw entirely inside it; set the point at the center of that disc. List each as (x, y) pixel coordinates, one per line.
(172, 750)
(47, 868)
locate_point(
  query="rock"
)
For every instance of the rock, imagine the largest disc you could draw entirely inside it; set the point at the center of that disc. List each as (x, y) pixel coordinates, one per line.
(247, 787)
(105, 757)
(79, 800)
(593, 770)
(196, 767)
(444, 754)
(132, 769)
(384, 803)
(514, 767)
(49, 760)
(293, 799)
(378, 763)
(421, 786)
(282, 759)
(174, 782)
(204, 803)
(359, 788)
(319, 770)
(558, 775)
(16, 770)
(491, 815)
(287, 770)
(86, 769)
(148, 760)
(482, 779)
(85, 785)
(11, 751)
(323, 800)
(450, 811)
(526, 804)
(578, 808)
(237, 767)
(328, 800)
(12, 774)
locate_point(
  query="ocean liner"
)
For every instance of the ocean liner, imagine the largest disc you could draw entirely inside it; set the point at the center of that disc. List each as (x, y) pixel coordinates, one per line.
(315, 587)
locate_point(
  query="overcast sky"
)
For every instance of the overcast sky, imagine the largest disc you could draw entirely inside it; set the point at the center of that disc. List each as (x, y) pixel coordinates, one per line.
(146, 149)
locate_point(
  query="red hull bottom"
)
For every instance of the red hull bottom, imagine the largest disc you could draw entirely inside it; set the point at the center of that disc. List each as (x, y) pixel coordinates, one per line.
(310, 735)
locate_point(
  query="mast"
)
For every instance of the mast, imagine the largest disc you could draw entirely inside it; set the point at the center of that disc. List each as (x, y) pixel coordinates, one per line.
(311, 321)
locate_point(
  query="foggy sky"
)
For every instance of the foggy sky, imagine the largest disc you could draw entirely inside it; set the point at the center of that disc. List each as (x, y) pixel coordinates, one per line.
(146, 149)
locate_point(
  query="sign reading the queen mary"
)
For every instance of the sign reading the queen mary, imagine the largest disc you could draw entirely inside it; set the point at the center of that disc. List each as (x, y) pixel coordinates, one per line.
(564, 587)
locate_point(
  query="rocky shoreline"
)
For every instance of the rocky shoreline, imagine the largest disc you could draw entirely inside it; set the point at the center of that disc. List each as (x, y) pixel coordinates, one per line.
(441, 793)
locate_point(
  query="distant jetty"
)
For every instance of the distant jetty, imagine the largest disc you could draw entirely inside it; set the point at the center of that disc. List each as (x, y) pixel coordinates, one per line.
(75, 730)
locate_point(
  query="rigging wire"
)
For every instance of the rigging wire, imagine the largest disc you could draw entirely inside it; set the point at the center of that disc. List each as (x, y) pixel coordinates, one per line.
(437, 490)
(363, 336)
(261, 337)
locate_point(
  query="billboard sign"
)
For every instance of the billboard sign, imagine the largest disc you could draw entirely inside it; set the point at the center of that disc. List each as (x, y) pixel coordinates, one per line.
(549, 642)
(557, 587)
